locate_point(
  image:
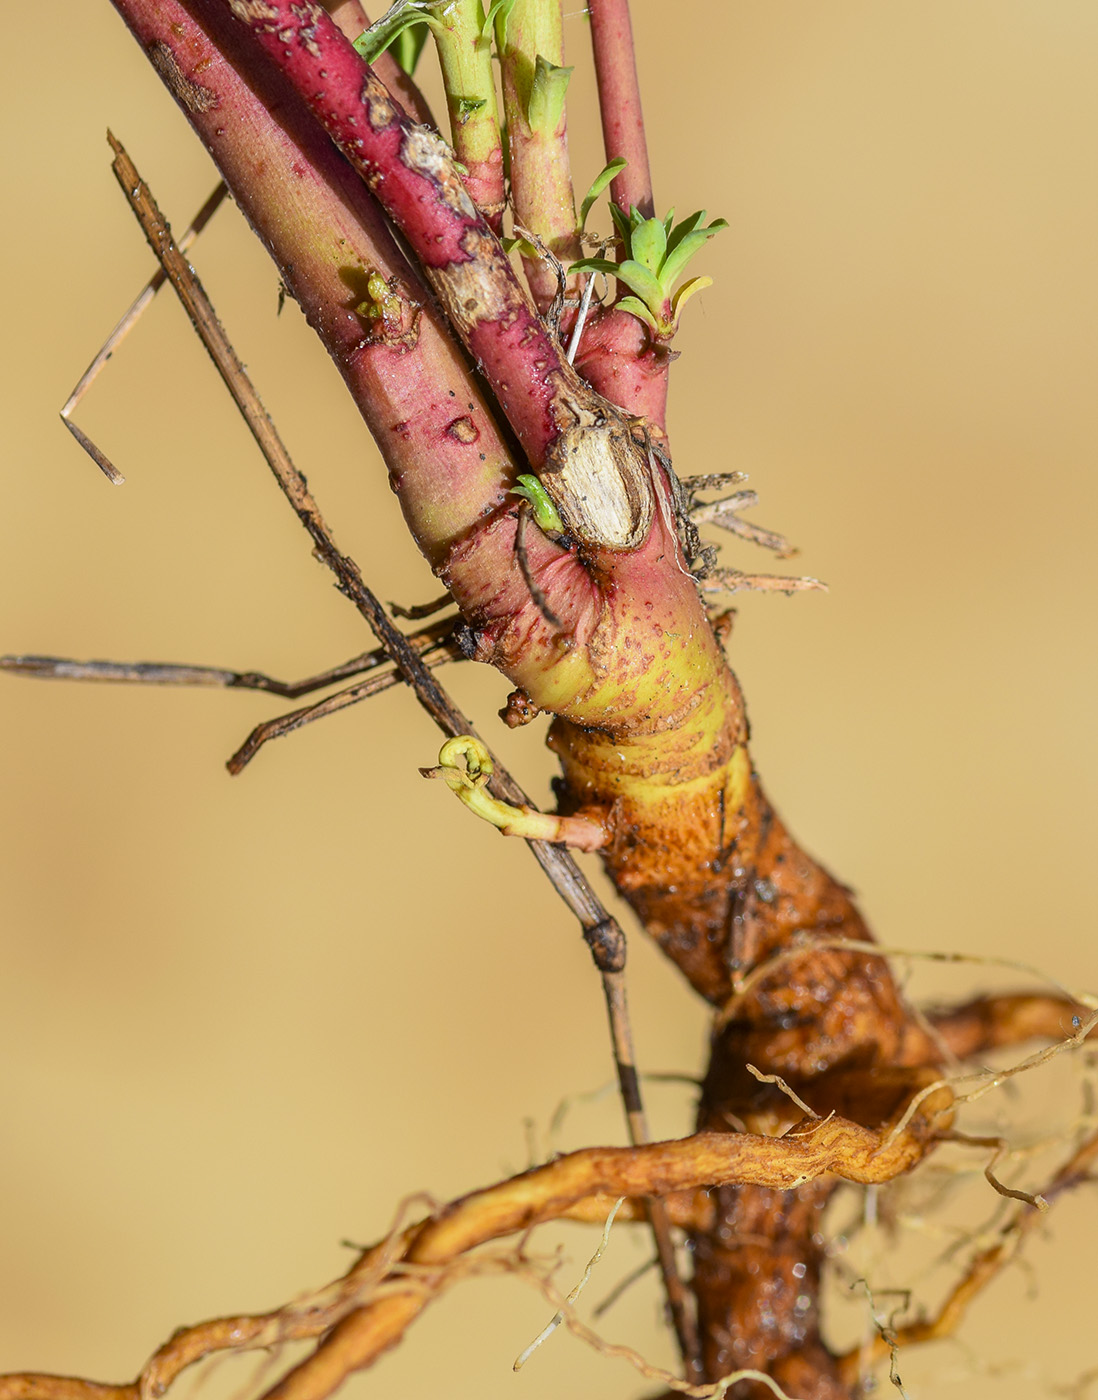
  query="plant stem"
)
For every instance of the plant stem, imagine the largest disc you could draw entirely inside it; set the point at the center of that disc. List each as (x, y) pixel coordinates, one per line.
(620, 104)
(465, 56)
(531, 47)
(353, 20)
(617, 354)
(413, 177)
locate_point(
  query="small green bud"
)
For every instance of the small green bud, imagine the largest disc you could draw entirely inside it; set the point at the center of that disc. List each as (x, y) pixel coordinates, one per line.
(546, 516)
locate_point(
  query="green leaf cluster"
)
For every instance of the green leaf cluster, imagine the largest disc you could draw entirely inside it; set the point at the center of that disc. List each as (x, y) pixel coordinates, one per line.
(655, 253)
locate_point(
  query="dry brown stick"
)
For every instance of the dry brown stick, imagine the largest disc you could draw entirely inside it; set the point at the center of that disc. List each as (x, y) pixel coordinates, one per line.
(682, 1318)
(601, 931)
(127, 322)
(282, 725)
(725, 514)
(734, 581)
(421, 610)
(172, 673)
(981, 1271)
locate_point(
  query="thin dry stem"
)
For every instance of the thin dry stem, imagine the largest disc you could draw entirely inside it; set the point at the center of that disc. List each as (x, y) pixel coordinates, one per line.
(784, 1087)
(678, 1303)
(725, 514)
(601, 931)
(126, 323)
(172, 673)
(734, 581)
(282, 725)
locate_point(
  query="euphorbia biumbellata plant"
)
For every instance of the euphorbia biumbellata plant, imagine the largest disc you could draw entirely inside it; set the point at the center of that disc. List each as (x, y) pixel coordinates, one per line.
(523, 422)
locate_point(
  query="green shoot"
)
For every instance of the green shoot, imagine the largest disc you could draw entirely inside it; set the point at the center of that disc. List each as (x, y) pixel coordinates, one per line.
(655, 254)
(405, 25)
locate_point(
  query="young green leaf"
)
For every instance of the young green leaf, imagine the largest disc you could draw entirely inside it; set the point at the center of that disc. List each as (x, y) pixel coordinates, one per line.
(603, 265)
(409, 45)
(654, 254)
(546, 516)
(622, 227)
(600, 182)
(648, 244)
(638, 279)
(685, 292)
(498, 14)
(546, 103)
(401, 17)
(684, 250)
(637, 308)
(677, 232)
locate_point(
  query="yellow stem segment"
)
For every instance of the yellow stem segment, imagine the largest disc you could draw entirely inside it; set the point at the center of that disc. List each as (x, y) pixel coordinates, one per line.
(465, 766)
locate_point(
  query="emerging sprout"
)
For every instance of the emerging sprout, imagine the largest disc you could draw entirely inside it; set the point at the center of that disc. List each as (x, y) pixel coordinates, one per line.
(404, 28)
(654, 255)
(546, 516)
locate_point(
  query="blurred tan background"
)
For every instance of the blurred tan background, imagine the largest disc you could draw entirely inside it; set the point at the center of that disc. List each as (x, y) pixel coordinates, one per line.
(243, 1017)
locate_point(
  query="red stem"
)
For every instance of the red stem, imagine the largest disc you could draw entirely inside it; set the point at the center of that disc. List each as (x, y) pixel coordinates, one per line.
(620, 103)
(407, 376)
(414, 179)
(618, 357)
(353, 20)
(633, 644)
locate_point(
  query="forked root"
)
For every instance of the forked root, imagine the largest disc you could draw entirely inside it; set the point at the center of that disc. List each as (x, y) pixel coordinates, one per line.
(367, 1311)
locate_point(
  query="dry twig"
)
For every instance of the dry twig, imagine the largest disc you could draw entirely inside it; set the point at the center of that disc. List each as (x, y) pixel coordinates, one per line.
(601, 931)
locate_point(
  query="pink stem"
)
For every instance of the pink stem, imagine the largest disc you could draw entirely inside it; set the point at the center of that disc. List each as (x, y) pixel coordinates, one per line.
(617, 355)
(633, 642)
(619, 358)
(408, 377)
(413, 177)
(620, 103)
(353, 21)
